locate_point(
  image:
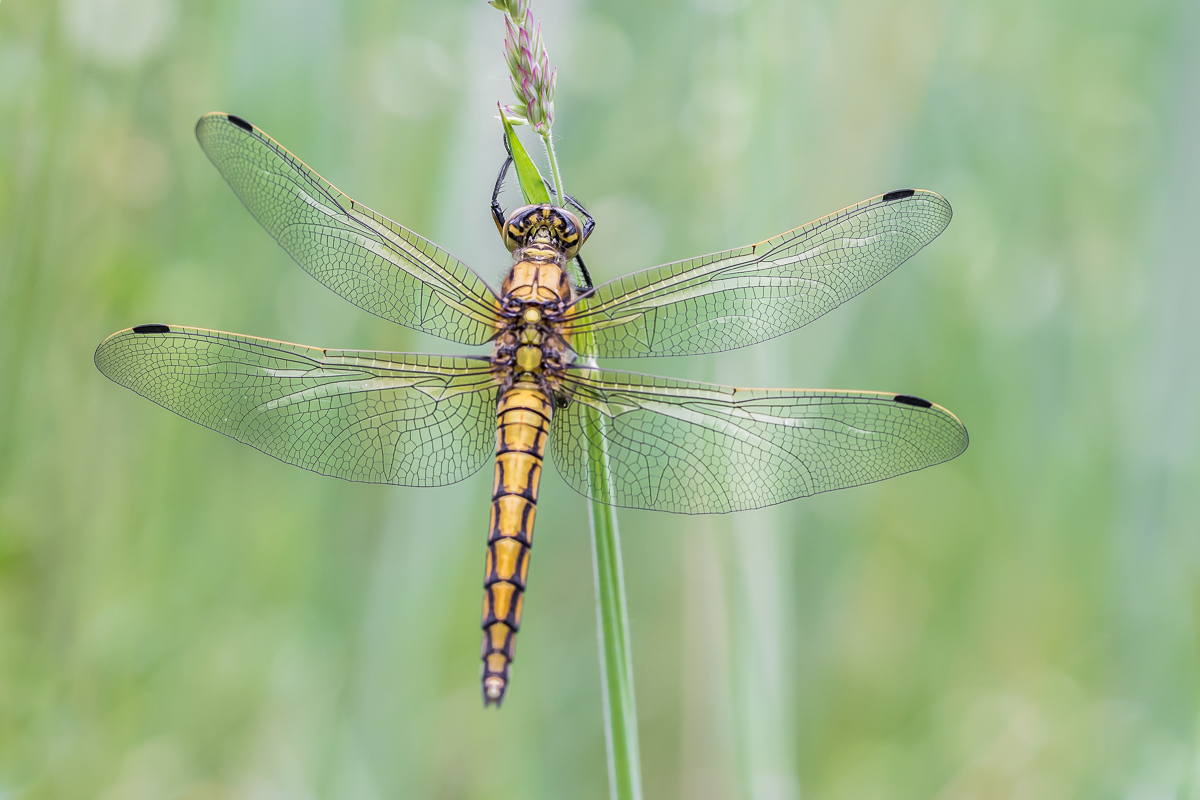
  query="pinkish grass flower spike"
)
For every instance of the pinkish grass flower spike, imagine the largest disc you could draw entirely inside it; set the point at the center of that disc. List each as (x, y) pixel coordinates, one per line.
(533, 81)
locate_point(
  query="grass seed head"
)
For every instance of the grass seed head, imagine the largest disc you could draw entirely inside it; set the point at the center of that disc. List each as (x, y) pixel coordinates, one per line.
(533, 82)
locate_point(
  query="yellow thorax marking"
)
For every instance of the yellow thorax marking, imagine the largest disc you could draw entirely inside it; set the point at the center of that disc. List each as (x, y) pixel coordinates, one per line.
(529, 358)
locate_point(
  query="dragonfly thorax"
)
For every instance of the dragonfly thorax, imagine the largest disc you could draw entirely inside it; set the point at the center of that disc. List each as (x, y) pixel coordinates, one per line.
(533, 280)
(531, 348)
(534, 301)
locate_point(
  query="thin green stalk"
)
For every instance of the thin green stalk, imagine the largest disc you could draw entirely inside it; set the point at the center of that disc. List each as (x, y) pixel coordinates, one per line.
(612, 621)
(612, 615)
(558, 190)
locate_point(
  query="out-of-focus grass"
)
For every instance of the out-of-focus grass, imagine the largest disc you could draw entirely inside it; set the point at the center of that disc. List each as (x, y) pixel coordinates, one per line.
(183, 617)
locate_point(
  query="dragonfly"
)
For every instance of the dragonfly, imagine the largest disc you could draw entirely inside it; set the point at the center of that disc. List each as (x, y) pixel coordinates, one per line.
(429, 420)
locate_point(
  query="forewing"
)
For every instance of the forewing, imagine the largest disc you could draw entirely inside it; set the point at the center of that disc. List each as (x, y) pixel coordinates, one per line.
(410, 420)
(740, 297)
(696, 448)
(378, 265)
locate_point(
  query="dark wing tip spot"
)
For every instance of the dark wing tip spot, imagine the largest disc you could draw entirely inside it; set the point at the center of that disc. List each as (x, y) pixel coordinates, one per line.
(151, 329)
(241, 123)
(909, 400)
(898, 194)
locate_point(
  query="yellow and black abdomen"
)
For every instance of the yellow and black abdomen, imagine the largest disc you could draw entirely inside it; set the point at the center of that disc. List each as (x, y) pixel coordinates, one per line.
(523, 423)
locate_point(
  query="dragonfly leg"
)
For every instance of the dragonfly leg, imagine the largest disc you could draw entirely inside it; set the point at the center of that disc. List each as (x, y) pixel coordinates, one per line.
(587, 278)
(589, 222)
(497, 209)
(589, 225)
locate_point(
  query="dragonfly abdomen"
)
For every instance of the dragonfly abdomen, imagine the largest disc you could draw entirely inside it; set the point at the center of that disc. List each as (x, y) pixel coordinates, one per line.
(523, 423)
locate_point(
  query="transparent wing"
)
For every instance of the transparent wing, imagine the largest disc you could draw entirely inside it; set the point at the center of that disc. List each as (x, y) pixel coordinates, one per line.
(696, 448)
(366, 258)
(410, 420)
(740, 297)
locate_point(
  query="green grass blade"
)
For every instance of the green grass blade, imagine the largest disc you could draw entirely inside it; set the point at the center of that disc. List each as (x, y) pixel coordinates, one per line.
(620, 709)
(533, 188)
(612, 620)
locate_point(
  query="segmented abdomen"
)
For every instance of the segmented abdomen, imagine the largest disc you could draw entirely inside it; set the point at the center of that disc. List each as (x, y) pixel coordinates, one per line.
(523, 423)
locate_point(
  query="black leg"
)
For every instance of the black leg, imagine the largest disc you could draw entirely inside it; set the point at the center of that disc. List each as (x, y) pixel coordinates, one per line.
(589, 222)
(497, 209)
(589, 225)
(587, 279)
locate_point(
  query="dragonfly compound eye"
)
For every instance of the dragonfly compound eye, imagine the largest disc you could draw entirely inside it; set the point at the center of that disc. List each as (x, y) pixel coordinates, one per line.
(529, 224)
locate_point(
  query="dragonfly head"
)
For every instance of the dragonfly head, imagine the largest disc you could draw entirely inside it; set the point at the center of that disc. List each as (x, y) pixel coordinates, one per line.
(544, 224)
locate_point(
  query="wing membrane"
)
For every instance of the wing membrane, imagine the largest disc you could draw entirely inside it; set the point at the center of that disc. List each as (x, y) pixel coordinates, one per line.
(754, 293)
(410, 420)
(366, 258)
(700, 449)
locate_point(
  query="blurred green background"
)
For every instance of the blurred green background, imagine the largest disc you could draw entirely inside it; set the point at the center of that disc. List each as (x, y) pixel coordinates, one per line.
(184, 618)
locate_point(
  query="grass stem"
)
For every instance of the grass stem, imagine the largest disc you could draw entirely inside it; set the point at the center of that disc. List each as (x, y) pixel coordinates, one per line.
(612, 615)
(548, 141)
(612, 621)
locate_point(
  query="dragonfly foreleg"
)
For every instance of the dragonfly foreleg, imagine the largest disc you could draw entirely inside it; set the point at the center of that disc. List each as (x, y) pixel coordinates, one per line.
(589, 222)
(497, 209)
(587, 278)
